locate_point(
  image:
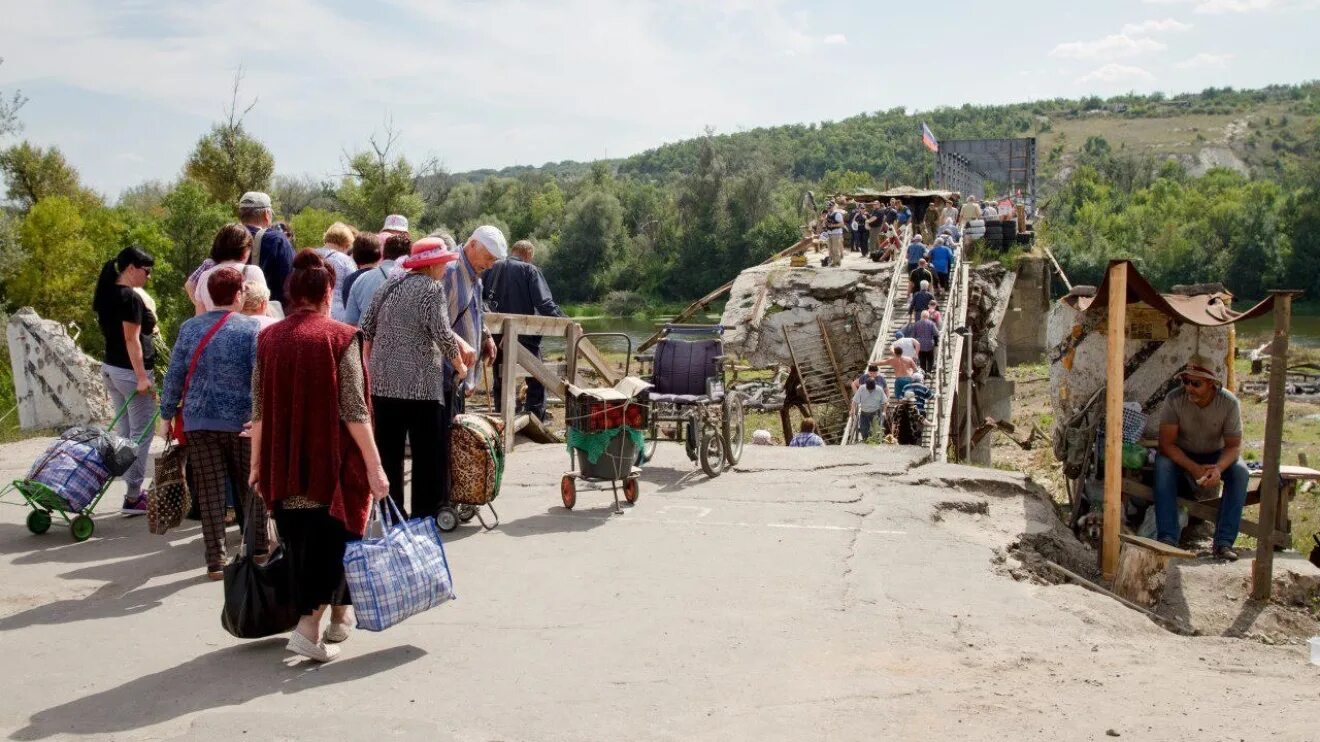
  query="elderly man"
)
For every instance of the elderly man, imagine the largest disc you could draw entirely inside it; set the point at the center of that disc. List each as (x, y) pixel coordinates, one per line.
(1200, 439)
(463, 287)
(516, 286)
(271, 250)
(867, 403)
(915, 252)
(919, 275)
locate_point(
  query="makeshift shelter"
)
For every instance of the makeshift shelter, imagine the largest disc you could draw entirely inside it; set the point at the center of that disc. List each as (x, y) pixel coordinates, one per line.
(1123, 285)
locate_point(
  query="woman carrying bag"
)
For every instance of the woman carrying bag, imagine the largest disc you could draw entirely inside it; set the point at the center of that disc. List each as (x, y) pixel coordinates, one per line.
(314, 460)
(210, 379)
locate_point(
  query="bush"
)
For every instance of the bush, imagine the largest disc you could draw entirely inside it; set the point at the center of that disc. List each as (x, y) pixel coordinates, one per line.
(624, 304)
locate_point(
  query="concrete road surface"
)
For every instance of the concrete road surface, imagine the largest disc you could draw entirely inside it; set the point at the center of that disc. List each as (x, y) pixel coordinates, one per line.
(810, 594)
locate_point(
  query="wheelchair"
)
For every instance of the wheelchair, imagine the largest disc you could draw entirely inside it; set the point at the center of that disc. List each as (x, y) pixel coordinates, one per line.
(689, 395)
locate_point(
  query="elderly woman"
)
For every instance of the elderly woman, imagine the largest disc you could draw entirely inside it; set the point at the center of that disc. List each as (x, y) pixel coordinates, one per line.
(231, 247)
(256, 304)
(408, 337)
(338, 240)
(210, 403)
(129, 327)
(314, 457)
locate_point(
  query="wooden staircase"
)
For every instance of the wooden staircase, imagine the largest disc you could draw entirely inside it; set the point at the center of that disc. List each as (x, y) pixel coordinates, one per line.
(824, 377)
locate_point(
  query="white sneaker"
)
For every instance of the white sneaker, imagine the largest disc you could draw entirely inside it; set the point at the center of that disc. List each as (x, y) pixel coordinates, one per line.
(299, 644)
(338, 632)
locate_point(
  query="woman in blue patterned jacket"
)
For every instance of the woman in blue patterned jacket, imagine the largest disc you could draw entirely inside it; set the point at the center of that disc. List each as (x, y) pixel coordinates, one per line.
(210, 404)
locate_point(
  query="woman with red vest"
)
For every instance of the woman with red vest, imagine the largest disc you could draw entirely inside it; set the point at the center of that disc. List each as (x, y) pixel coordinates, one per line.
(314, 459)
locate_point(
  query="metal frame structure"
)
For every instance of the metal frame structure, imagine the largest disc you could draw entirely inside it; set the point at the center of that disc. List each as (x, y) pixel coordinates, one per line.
(1010, 161)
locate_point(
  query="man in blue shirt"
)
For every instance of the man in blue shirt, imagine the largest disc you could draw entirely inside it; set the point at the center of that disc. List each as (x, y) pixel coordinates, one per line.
(806, 437)
(941, 259)
(271, 250)
(915, 252)
(516, 286)
(366, 284)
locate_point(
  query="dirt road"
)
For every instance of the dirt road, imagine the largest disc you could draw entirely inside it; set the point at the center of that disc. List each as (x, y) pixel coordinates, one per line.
(812, 594)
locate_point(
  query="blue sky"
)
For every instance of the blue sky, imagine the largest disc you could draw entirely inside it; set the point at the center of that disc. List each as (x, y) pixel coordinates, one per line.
(125, 88)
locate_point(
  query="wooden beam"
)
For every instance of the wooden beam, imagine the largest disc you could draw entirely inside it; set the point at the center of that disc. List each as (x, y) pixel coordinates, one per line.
(1210, 512)
(539, 371)
(696, 306)
(508, 380)
(598, 362)
(1262, 568)
(571, 336)
(1117, 320)
(529, 324)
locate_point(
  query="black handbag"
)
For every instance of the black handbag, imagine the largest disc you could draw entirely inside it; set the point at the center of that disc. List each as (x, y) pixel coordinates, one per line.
(258, 597)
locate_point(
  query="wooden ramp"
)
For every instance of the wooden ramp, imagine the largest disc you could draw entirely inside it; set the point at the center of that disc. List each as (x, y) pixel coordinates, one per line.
(824, 376)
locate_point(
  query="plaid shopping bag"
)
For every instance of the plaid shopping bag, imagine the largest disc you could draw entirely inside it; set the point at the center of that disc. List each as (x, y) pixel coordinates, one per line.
(399, 574)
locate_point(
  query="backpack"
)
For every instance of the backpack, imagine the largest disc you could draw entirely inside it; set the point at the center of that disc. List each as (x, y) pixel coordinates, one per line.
(476, 458)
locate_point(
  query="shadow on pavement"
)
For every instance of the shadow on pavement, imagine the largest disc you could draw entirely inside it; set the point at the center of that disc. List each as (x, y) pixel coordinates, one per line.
(563, 520)
(226, 677)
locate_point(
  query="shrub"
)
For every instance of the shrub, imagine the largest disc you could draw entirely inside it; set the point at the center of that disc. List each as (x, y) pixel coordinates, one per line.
(624, 304)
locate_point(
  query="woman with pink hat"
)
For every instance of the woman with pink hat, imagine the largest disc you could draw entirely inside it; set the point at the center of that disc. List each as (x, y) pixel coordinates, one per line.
(408, 337)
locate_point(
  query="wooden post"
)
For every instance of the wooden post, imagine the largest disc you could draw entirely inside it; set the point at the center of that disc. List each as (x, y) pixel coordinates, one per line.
(1262, 568)
(570, 354)
(1114, 420)
(1230, 382)
(509, 380)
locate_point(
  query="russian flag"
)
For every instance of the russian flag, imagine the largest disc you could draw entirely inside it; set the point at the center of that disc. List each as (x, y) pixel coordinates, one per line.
(928, 139)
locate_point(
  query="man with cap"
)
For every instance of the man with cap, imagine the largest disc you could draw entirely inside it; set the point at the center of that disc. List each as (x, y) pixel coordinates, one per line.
(271, 250)
(463, 286)
(1200, 439)
(834, 224)
(516, 286)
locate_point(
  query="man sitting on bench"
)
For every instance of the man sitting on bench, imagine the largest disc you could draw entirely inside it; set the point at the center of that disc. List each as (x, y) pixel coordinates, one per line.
(1200, 439)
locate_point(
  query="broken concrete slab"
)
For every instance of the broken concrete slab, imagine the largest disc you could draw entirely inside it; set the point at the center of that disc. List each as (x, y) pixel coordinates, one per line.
(57, 385)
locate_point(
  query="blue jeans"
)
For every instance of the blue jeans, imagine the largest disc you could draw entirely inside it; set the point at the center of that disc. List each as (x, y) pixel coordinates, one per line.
(1170, 478)
(864, 422)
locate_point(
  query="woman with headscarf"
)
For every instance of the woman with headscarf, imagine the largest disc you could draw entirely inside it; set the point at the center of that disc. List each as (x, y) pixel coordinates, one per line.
(408, 337)
(314, 458)
(129, 328)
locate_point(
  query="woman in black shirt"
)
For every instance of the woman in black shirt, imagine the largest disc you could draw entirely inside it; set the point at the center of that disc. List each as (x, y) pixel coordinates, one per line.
(128, 326)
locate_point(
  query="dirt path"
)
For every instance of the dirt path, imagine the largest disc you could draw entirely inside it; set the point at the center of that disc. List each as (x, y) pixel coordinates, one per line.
(812, 594)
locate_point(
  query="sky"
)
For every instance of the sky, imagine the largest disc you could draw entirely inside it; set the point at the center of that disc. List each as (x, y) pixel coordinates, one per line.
(126, 87)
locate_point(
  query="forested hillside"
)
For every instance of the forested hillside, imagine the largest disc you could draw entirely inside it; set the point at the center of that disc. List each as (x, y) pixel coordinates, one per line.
(1218, 185)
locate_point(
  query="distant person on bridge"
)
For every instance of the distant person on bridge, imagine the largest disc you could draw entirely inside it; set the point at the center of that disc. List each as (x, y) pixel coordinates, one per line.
(872, 373)
(921, 274)
(1200, 441)
(516, 286)
(867, 403)
(903, 339)
(927, 333)
(935, 315)
(970, 211)
(941, 260)
(903, 366)
(949, 212)
(921, 300)
(860, 234)
(918, 391)
(806, 437)
(915, 252)
(834, 226)
(875, 226)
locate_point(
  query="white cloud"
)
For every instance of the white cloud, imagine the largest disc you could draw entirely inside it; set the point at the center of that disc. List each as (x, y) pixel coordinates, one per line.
(1113, 46)
(1115, 73)
(1166, 25)
(1205, 60)
(835, 39)
(1219, 7)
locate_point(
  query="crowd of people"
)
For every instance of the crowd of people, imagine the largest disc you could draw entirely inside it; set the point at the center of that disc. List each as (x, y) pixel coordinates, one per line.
(303, 377)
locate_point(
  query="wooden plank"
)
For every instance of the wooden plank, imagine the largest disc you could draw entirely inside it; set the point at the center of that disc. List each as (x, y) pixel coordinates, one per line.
(704, 301)
(508, 381)
(571, 336)
(1159, 546)
(598, 362)
(529, 324)
(1207, 512)
(539, 371)
(1057, 269)
(1262, 568)
(793, 358)
(1109, 545)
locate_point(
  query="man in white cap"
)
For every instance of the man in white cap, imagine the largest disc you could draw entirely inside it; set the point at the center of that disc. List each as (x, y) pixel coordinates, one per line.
(463, 285)
(394, 224)
(271, 250)
(1200, 440)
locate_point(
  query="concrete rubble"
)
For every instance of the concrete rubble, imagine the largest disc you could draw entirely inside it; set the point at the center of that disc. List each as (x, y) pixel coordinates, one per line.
(57, 385)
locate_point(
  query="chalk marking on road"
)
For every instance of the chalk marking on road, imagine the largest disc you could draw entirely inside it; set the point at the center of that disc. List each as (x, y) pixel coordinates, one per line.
(700, 511)
(629, 517)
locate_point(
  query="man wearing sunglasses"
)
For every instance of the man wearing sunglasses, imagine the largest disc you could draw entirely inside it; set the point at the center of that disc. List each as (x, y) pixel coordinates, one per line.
(1200, 440)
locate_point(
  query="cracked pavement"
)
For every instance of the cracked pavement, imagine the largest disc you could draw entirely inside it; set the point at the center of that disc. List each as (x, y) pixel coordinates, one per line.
(808, 594)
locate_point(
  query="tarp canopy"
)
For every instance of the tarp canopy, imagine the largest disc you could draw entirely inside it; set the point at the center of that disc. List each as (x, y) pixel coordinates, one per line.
(1205, 310)
(910, 192)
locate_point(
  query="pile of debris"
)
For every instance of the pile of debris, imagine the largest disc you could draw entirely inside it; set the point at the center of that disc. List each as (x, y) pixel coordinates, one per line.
(57, 385)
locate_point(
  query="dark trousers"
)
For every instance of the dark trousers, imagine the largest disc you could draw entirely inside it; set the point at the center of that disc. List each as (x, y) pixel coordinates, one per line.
(217, 459)
(425, 425)
(535, 402)
(926, 359)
